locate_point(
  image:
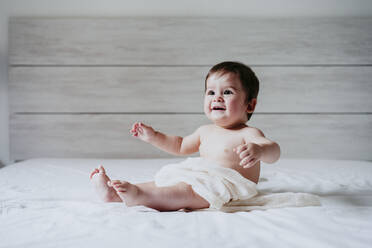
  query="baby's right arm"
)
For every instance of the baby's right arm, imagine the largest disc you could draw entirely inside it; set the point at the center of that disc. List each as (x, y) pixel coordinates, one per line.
(172, 144)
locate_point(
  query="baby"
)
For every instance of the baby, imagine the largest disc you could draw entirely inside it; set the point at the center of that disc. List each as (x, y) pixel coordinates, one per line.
(231, 90)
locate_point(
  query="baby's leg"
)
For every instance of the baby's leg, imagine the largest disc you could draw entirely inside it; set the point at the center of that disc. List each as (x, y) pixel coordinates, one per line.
(100, 180)
(160, 198)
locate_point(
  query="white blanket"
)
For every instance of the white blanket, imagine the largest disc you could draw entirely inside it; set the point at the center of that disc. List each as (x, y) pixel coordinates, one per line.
(51, 203)
(226, 189)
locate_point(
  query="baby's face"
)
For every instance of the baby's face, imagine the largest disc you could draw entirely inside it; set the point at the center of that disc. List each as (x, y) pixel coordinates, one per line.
(224, 101)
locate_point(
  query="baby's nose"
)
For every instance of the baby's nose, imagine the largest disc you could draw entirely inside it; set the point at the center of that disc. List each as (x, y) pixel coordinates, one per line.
(218, 98)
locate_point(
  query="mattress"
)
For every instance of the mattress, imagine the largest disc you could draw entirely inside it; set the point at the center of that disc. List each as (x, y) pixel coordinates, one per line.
(51, 203)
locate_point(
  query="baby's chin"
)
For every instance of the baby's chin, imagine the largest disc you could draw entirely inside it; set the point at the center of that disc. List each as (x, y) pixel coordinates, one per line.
(225, 122)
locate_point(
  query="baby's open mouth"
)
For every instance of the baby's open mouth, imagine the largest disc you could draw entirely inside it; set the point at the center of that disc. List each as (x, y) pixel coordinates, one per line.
(218, 108)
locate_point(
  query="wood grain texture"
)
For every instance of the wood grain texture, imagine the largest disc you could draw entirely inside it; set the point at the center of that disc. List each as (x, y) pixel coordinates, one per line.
(315, 82)
(107, 136)
(181, 89)
(189, 41)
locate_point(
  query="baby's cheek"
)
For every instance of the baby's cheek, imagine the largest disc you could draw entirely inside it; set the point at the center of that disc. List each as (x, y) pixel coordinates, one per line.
(237, 105)
(206, 108)
(234, 105)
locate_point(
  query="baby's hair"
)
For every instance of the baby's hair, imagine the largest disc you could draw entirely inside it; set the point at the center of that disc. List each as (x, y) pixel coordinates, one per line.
(247, 78)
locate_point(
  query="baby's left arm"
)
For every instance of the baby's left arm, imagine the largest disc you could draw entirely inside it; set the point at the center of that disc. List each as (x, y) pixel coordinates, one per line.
(257, 148)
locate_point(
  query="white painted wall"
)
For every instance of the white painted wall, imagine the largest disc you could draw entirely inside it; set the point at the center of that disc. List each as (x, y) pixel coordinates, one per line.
(248, 8)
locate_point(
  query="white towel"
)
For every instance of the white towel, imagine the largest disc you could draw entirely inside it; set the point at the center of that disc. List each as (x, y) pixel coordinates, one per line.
(226, 189)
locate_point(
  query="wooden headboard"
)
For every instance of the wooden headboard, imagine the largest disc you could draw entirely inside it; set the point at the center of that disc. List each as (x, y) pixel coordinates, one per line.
(77, 84)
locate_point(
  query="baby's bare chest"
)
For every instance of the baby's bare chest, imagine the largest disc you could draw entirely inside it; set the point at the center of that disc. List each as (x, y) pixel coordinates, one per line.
(217, 146)
(220, 147)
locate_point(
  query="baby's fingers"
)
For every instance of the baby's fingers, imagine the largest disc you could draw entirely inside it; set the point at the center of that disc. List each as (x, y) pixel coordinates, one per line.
(251, 163)
(134, 133)
(245, 161)
(240, 148)
(143, 126)
(134, 126)
(134, 130)
(244, 153)
(140, 130)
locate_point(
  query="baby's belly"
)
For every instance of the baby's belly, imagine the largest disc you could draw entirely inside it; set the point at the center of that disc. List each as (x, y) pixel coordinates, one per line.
(232, 162)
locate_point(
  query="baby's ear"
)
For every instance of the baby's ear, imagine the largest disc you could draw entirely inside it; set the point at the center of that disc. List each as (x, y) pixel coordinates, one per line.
(251, 105)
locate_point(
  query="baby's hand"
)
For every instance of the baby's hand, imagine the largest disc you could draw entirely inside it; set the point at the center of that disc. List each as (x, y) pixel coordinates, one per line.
(249, 153)
(143, 132)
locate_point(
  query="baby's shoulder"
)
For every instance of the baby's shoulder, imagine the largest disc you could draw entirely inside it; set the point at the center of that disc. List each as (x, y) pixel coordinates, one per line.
(252, 131)
(205, 128)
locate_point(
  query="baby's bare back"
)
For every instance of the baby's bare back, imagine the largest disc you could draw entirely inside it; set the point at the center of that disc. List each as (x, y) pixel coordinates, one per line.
(217, 144)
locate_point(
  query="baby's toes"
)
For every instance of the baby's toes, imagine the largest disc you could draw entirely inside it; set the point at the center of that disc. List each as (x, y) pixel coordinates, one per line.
(120, 190)
(113, 182)
(121, 187)
(95, 171)
(102, 170)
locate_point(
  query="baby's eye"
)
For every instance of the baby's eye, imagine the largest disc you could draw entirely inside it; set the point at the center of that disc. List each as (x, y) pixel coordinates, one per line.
(227, 92)
(210, 92)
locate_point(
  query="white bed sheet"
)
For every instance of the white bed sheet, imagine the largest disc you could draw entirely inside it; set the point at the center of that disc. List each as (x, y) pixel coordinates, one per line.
(50, 203)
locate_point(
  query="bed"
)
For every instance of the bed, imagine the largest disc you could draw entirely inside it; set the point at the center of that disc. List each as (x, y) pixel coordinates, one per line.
(76, 85)
(50, 203)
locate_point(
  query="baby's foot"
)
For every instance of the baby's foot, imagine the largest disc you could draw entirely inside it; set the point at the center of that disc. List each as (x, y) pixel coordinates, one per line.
(100, 181)
(129, 193)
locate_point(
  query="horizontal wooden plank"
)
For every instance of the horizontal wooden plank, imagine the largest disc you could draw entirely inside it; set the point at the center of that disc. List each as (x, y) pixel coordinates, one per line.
(107, 136)
(189, 41)
(181, 89)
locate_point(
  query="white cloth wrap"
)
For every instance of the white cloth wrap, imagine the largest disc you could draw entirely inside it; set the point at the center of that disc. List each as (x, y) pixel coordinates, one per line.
(226, 189)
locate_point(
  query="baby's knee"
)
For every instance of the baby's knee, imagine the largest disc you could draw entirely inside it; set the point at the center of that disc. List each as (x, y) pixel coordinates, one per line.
(186, 189)
(195, 201)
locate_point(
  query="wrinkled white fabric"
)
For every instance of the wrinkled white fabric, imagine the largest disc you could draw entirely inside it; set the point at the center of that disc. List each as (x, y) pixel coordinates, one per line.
(51, 203)
(226, 189)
